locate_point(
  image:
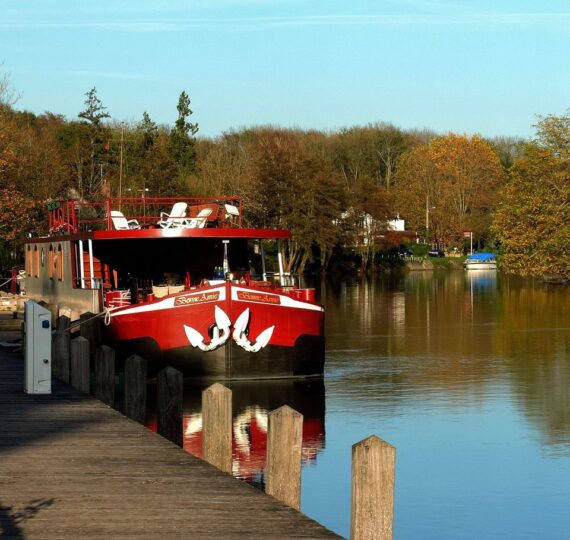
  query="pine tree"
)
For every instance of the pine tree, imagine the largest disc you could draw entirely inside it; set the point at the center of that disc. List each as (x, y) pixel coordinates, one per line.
(94, 111)
(89, 184)
(182, 142)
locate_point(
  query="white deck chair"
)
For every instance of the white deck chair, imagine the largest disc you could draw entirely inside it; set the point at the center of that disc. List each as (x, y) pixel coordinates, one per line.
(176, 218)
(232, 213)
(121, 223)
(199, 222)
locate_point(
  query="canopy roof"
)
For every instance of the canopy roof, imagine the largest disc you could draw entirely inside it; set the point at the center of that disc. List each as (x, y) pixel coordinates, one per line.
(481, 256)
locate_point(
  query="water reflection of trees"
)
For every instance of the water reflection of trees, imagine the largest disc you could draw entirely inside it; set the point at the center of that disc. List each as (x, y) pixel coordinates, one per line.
(461, 337)
(414, 318)
(535, 342)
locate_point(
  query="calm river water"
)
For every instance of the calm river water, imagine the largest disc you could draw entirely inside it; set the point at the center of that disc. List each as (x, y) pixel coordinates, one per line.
(467, 375)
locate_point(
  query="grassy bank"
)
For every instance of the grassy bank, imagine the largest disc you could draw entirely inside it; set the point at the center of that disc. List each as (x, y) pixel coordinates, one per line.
(447, 263)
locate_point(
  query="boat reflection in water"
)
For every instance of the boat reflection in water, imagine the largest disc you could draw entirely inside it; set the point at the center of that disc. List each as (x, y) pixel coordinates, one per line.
(251, 404)
(482, 279)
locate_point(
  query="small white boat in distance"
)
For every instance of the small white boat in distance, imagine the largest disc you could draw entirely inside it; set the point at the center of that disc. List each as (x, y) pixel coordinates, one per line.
(481, 261)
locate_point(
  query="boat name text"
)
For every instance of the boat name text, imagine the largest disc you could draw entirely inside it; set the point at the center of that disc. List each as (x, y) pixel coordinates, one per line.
(255, 297)
(197, 299)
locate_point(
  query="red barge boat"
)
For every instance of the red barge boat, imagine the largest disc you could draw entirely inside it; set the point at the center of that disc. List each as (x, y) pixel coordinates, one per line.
(182, 283)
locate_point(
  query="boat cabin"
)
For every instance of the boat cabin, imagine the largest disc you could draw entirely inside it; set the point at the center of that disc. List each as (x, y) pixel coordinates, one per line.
(137, 250)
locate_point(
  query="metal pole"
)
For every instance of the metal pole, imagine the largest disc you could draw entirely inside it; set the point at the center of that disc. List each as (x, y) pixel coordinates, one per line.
(81, 268)
(121, 167)
(90, 247)
(226, 264)
(427, 219)
(280, 260)
(263, 270)
(471, 239)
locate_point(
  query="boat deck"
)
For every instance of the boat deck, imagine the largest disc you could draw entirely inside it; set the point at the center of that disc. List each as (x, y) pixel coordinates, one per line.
(71, 467)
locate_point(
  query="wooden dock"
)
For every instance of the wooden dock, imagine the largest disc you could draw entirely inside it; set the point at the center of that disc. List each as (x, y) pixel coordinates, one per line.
(72, 467)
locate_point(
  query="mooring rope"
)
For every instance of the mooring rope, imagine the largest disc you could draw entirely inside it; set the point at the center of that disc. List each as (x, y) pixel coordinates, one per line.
(106, 313)
(6, 282)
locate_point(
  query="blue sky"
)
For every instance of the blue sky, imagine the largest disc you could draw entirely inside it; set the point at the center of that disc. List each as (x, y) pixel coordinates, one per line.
(486, 66)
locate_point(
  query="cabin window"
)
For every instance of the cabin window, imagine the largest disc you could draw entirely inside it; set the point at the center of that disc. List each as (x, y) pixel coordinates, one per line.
(36, 263)
(59, 263)
(28, 265)
(51, 262)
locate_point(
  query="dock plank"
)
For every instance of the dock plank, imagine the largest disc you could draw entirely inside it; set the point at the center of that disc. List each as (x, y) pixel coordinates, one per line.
(72, 467)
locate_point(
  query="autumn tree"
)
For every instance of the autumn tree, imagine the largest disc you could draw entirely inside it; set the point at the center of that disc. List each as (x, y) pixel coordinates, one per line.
(226, 165)
(364, 221)
(553, 134)
(417, 190)
(6, 102)
(17, 208)
(532, 223)
(508, 149)
(448, 187)
(150, 165)
(8, 96)
(296, 191)
(39, 168)
(471, 175)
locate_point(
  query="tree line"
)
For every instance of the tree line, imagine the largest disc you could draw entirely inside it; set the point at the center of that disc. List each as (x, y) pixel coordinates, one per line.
(336, 190)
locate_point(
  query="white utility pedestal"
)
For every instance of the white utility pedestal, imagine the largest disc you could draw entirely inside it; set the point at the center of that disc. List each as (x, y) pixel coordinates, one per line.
(37, 356)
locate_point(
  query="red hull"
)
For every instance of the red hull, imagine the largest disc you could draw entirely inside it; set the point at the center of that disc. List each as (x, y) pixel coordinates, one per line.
(161, 330)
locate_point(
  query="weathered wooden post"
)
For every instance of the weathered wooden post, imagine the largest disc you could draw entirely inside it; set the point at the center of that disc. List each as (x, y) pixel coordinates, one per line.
(217, 427)
(90, 329)
(135, 388)
(64, 310)
(61, 349)
(372, 504)
(284, 444)
(105, 375)
(169, 405)
(80, 364)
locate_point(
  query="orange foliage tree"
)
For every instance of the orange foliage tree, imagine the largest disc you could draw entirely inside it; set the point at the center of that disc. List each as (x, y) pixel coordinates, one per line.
(15, 211)
(450, 185)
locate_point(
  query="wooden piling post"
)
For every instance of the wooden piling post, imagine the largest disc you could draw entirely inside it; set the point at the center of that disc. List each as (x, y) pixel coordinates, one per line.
(61, 349)
(284, 444)
(105, 375)
(372, 504)
(135, 388)
(90, 329)
(169, 405)
(64, 310)
(80, 364)
(217, 427)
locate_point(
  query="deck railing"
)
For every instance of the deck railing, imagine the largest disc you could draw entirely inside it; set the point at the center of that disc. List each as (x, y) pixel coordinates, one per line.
(73, 216)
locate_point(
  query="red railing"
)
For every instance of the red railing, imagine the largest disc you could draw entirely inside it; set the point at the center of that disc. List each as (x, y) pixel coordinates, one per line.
(73, 216)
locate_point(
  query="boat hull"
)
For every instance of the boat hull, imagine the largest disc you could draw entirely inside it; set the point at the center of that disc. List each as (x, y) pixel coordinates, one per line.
(159, 332)
(481, 266)
(230, 362)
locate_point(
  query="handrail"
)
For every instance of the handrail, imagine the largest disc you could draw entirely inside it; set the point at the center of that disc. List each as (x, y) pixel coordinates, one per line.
(72, 216)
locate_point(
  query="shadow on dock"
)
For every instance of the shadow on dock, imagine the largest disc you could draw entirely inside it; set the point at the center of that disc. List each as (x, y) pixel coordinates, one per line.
(10, 518)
